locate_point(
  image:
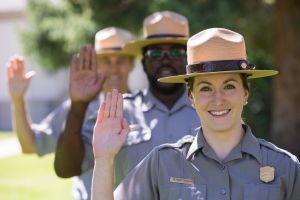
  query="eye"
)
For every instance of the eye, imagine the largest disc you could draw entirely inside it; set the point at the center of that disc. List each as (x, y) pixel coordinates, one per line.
(229, 87)
(205, 89)
(177, 53)
(154, 53)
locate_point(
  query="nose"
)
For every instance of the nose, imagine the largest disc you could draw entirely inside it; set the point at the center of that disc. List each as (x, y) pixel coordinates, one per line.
(218, 98)
(166, 58)
(114, 69)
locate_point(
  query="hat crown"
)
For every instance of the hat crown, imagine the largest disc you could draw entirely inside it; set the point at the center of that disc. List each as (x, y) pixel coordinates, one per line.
(166, 23)
(111, 38)
(216, 44)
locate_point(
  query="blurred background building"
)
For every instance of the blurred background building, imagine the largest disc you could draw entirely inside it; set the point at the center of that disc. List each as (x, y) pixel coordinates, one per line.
(47, 89)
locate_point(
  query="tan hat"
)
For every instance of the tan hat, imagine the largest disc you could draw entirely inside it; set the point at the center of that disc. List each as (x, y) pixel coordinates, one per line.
(111, 41)
(161, 27)
(215, 51)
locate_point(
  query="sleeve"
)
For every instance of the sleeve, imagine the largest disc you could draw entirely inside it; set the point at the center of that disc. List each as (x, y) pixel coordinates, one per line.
(47, 132)
(141, 182)
(294, 183)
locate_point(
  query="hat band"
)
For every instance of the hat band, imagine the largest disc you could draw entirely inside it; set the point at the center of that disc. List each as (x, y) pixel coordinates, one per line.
(111, 49)
(165, 36)
(218, 66)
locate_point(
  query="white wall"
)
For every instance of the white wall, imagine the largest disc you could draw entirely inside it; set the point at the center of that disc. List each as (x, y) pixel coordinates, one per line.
(45, 90)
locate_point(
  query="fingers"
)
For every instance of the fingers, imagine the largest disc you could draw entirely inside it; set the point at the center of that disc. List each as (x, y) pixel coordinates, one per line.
(9, 72)
(107, 105)
(74, 64)
(86, 57)
(30, 74)
(81, 58)
(20, 64)
(15, 66)
(119, 109)
(101, 113)
(94, 61)
(113, 104)
(125, 130)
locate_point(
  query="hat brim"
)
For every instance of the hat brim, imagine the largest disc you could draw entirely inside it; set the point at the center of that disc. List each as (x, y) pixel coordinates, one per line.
(252, 74)
(135, 47)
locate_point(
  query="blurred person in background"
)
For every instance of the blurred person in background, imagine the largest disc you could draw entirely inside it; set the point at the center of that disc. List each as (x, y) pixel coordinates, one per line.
(153, 113)
(109, 69)
(224, 160)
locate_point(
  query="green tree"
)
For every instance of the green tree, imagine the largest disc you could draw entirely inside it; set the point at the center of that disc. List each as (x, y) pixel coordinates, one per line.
(58, 30)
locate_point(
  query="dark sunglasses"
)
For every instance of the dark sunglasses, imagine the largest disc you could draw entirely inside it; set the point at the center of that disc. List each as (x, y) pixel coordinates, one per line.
(172, 53)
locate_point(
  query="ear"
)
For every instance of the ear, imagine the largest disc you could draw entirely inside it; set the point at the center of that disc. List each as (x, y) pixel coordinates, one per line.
(191, 97)
(246, 96)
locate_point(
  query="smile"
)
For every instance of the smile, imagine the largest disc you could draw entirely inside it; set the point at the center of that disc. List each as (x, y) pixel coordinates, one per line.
(219, 113)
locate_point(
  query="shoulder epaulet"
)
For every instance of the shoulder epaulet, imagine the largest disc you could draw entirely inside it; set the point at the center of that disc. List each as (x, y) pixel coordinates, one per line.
(273, 147)
(187, 139)
(131, 95)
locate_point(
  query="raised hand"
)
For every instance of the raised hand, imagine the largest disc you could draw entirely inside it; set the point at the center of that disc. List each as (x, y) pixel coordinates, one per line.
(111, 128)
(85, 81)
(18, 80)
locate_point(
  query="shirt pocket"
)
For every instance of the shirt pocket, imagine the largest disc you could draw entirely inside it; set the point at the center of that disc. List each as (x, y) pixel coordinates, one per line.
(138, 135)
(183, 192)
(263, 192)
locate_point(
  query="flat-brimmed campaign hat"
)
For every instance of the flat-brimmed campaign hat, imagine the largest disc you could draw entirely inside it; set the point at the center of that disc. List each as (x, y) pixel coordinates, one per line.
(161, 27)
(217, 51)
(111, 41)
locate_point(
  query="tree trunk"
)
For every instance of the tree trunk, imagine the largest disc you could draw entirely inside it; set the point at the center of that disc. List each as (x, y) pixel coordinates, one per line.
(286, 87)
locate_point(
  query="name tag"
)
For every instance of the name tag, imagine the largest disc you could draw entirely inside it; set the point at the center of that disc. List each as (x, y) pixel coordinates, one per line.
(181, 180)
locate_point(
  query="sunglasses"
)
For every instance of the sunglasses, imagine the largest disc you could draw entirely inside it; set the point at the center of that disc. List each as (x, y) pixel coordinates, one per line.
(172, 53)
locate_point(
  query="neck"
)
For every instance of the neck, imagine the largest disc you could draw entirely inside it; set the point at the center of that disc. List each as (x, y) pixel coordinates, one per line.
(222, 142)
(167, 99)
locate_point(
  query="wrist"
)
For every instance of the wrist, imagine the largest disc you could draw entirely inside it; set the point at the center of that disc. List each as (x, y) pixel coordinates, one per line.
(107, 161)
(79, 106)
(18, 101)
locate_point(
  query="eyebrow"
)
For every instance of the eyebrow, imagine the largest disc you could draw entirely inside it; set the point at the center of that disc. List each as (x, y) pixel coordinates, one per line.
(208, 83)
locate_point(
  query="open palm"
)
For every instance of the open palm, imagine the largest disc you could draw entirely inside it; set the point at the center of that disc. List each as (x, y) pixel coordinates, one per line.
(18, 80)
(111, 128)
(85, 82)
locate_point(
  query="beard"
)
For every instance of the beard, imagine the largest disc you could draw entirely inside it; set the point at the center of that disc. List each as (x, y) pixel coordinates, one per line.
(164, 88)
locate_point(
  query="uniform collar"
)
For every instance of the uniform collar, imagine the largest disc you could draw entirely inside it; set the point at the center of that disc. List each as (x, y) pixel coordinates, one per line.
(249, 144)
(150, 101)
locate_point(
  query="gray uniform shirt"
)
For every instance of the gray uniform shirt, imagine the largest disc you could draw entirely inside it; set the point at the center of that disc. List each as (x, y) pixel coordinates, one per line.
(47, 134)
(190, 170)
(153, 124)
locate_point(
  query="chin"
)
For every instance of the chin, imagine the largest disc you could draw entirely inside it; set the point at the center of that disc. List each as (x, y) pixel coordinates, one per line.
(169, 88)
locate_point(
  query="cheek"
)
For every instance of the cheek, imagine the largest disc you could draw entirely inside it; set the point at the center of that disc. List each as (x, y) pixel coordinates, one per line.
(201, 102)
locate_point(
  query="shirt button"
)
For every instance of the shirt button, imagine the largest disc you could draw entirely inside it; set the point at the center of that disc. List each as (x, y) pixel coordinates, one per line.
(223, 191)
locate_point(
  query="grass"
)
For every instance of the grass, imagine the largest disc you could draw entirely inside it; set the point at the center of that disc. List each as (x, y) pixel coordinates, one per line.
(6, 135)
(28, 177)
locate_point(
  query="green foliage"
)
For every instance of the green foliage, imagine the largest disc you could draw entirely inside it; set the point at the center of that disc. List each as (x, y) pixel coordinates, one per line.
(58, 30)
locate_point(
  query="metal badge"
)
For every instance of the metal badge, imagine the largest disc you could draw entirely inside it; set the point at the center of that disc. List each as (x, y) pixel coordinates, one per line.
(244, 65)
(266, 174)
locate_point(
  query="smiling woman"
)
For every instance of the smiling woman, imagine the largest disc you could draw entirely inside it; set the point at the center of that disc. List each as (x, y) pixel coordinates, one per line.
(225, 160)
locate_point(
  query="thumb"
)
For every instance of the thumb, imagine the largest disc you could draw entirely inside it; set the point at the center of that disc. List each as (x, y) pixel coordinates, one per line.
(30, 74)
(125, 130)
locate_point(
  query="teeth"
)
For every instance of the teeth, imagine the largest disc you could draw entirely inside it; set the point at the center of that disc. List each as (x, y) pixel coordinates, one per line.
(219, 113)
